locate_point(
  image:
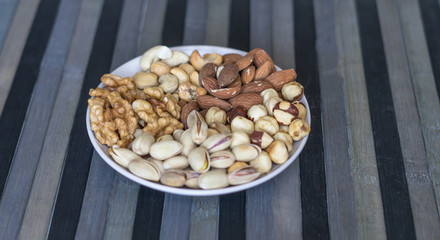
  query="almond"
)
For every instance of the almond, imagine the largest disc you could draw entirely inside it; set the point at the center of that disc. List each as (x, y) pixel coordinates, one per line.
(206, 101)
(263, 71)
(261, 57)
(247, 75)
(245, 61)
(246, 100)
(229, 92)
(278, 79)
(256, 87)
(231, 58)
(189, 107)
(228, 75)
(208, 70)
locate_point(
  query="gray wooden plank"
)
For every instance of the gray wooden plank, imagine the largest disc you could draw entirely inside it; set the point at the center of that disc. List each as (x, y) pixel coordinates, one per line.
(41, 200)
(195, 22)
(368, 201)
(423, 203)
(217, 23)
(423, 82)
(94, 214)
(152, 25)
(286, 198)
(340, 187)
(176, 217)
(24, 163)
(14, 43)
(7, 12)
(122, 203)
(204, 218)
(259, 214)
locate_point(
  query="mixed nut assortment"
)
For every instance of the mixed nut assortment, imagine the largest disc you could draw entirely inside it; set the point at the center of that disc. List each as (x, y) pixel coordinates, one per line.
(204, 122)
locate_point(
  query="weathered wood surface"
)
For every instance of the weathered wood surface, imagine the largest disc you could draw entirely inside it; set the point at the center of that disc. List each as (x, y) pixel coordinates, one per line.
(332, 191)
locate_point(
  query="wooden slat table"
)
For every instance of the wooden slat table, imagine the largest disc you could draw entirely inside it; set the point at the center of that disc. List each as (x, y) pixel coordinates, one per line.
(371, 167)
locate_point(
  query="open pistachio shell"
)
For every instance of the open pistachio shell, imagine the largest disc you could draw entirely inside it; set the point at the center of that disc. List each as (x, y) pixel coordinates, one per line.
(173, 178)
(176, 162)
(186, 141)
(217, 142)
(213, 179)
(144, 169)
(122, 156)
(199, 160)
(165, 149)
(222, 159)
(192, 179)
(243, 175)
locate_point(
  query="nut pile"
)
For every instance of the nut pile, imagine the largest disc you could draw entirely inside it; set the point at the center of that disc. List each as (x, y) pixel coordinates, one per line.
(204, 122)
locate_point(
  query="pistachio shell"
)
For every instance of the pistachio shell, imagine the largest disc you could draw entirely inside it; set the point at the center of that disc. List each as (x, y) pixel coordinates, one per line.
(164, 138)
(187, 142)
(192, 179)
(165, 149)
(144, 169)
(246, 152)
(199, 160)
(217, 142)
(213, 179)
(177, 134)
(141, 144)
(222, 159)
(173, 178)
(243, 175)
(122, 156)
(236, 166)
(177, 162)
(199, 128)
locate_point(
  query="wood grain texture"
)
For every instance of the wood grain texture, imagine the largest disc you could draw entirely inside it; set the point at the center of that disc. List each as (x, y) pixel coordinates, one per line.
(73, 183)
(217, 22)
(13, 45)
(18, 187)
(423, 84)
(420, 189)
(151, 34)
(368, 201)
(204, 218)
(47, 175)
(176, 217)
(340, 188)
(286, 198)
(7, 12)
(195, 22)
(259, 215)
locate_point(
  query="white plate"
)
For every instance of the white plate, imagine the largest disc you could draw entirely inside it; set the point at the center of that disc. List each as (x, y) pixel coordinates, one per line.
(129, 69)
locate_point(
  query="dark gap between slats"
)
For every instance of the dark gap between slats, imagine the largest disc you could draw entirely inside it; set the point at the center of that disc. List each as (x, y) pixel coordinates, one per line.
(232, 213)
(28, 69)
(311, 161)
(395, 198)
(79, 154)
(430, 11)
(149, 208)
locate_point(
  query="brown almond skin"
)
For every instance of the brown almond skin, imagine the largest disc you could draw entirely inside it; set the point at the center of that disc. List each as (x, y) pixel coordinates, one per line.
(208, 70)
(203, 112)
(228, 75)
(207, 101)
(278, 79)
(256, 87)
(263, 71)
(248, 74)
(235, 112)
(231, 58)
(246, 100)
(209, 83)
(261, 57)
(189, 107)
(225, 93)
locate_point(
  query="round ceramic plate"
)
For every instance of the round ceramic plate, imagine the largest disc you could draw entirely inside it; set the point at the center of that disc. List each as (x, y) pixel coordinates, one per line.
(129, 69)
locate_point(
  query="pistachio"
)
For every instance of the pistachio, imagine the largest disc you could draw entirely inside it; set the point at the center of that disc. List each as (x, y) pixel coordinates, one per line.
(262, 163)
(177, 134)
(257, 111)
(222, 159)
(285, 112)
(217, 142)
(141, 144)
(214, 115)
(145, 79)
(199, 160)
(239, 138)
(122, 156)
(192, 179)
(278, 152)
(166, 137)
(213, 179)
(246, 152)
(292, 91)
(173, 178)
(302, 111)
(199, 129)
(212, 131)
(267, 124)
(261, 139)
(159, 164)
(187, 142)
(221, 128)
(192, 117)
(298, 129)
(144, 169)
(176, 162)
(285, 138)
(243, 175)
(242, 124)
(236, 165)
(165, 149)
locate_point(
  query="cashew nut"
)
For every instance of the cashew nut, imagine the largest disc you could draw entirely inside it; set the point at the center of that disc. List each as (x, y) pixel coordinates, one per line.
(196, 60)
(159, 68)
(154, 54)
(144, 80)
(215, 58)
(177, 58)
(188, 68)
(180, 74)
(169, 83)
